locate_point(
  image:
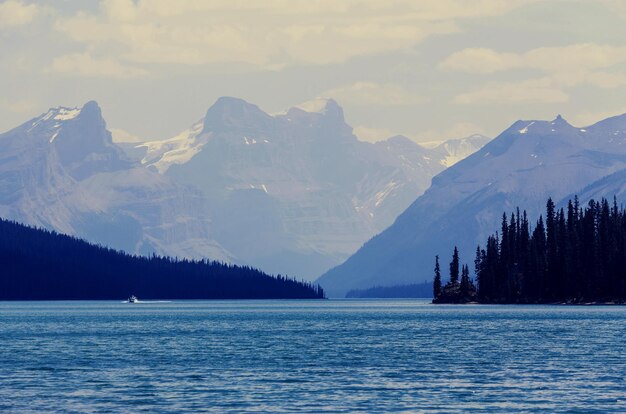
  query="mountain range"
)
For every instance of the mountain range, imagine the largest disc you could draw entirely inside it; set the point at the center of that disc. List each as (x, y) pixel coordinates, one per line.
(527, 163)
(292, 193)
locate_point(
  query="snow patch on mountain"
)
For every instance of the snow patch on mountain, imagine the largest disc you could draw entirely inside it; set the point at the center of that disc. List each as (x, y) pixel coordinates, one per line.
(455, 150)
(295, 193)
(177, 150)
(62, 171)
(65, 114)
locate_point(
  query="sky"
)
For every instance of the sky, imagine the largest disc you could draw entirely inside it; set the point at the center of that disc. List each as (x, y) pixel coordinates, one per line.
(428, 69)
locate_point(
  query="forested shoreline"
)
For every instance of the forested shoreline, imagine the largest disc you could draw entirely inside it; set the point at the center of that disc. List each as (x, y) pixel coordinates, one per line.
(39, 264)
(575, 255)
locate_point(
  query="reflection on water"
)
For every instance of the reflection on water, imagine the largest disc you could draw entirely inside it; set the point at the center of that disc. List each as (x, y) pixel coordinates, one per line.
(311, 356)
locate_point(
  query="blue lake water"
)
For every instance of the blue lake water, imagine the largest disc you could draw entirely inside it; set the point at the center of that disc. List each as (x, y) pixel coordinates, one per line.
(310, 356)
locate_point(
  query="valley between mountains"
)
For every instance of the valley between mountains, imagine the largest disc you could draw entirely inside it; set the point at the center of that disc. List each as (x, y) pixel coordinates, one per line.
(297, 193)
(293, 193)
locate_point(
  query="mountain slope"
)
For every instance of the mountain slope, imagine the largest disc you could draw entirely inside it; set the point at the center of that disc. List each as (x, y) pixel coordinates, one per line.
(62, 171)
(523, 166)
(295, 192)
(292, 193)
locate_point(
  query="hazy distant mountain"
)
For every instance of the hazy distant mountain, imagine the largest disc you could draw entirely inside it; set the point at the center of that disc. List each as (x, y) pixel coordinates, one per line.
(454, 150)
(295, 192)
(291, 193)
(62, 171)
(526, 164)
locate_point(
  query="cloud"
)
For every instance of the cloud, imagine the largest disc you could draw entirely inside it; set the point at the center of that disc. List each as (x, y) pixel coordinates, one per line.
(529, 91)
(567, 65)
(265, 34)
(572, 58)
(590, 118)
(480, 60)
(370, 93)
(564, 67)
(372, 134)
(15, 13)
(83, 64)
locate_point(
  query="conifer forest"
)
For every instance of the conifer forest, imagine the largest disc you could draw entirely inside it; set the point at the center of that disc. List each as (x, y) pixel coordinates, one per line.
(576, 254)
(44, 265)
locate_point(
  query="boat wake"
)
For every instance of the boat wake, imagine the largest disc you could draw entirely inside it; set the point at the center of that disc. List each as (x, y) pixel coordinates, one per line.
(133, 299)
(145, 302)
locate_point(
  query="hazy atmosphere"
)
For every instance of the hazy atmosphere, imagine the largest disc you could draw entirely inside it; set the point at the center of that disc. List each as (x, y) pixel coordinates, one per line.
(431, 70)
(341, 206)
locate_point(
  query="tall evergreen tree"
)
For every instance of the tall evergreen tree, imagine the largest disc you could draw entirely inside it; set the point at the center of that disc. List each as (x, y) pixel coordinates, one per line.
(454, 267)
(437, 280)
(551, 252)
(465, 282)
(578, 255)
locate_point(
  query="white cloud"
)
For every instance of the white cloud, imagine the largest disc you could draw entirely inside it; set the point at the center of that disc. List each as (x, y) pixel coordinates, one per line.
(370, 93)
(16, 13)
(567, 65)
(372, 134)
(572, 58)
(529, 91)
(606, 79)
(480, 60)
(83, 64)
(590, 118)
(563, 67)
(266, 34)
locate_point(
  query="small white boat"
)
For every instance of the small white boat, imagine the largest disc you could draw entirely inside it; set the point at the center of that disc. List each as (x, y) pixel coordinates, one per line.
(133, 299)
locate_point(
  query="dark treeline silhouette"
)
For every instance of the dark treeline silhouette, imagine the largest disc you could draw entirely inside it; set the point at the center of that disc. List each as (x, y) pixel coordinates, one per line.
(38, 264)
(416, 290)
(454, 291)
(575, 255)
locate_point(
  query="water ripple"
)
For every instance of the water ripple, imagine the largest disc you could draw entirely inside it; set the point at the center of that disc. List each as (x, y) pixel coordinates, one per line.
(312, 356)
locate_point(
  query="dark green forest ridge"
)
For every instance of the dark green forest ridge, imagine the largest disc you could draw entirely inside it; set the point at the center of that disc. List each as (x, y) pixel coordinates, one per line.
(43, 265)
(575, 255)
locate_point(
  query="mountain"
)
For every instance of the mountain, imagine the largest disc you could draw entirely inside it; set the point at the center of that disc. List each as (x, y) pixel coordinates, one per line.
(43, 265)
(295, 192)
(523, 166)
(292, 193)
(454, 150)
(62, 171)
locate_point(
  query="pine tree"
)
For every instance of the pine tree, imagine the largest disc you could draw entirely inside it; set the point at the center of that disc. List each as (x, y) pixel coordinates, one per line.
(454, 267)
(437, 280)
(579, 255)
(465, 282)
(551, 251)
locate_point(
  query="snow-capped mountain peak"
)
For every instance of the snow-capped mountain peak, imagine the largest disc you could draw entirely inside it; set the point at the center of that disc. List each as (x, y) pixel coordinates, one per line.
(62, 171)
(50, 121)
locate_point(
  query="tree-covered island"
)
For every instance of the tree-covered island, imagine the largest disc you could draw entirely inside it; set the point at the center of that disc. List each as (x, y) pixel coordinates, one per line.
(575, 255)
